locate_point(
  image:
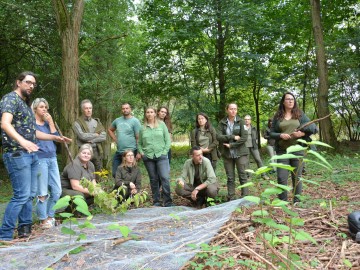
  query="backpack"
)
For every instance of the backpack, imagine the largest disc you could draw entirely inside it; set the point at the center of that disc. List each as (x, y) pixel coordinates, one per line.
(354, 225)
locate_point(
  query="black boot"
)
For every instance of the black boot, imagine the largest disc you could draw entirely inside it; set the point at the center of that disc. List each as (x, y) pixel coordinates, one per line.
(24, 231)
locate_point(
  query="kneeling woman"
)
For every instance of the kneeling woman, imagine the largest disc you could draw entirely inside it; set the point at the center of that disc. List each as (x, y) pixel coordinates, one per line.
(128, 174)
(73, 172)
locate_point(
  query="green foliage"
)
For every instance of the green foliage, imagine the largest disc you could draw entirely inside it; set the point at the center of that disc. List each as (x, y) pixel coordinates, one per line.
(212, 256)
(114, 201)
(275, 231)
(124, 230)
(81, 206)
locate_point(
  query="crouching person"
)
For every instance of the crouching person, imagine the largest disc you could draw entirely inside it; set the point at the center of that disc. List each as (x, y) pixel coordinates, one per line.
(128, 175)
(202, 180)
(80, 168)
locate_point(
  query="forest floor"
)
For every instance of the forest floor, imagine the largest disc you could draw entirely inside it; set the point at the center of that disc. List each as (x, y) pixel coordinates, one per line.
(322, 214)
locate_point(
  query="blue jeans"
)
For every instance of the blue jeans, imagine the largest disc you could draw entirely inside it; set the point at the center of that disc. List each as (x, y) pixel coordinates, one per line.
(23, 169)
(117, 160)
(158, 170)
(48, 180)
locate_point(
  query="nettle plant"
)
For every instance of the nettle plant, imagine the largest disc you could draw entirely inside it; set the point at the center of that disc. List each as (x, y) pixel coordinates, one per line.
(113, 202)
(280, 224)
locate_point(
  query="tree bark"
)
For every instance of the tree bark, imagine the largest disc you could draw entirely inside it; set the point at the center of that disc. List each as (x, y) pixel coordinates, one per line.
(326, 127)
(69, 21)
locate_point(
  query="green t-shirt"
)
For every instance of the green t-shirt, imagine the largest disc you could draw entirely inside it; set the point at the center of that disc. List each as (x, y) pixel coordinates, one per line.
(126, 131)
(288, 127)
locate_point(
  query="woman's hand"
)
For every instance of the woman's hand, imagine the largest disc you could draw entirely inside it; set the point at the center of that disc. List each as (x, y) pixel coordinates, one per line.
(285, 136)
(227, 145)
(298, 134)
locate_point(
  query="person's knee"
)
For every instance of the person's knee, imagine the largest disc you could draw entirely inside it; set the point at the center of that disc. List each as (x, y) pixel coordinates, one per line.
(42, 199)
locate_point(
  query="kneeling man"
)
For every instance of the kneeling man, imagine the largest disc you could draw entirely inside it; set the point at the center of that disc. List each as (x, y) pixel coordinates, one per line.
(202, 180)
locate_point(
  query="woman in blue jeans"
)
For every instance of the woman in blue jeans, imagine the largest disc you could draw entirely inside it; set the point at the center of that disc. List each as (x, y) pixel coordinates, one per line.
(284, 130)
(153, 147)
(49, 176)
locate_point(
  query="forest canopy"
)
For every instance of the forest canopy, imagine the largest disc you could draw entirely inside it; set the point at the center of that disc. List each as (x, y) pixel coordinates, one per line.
(189, 55)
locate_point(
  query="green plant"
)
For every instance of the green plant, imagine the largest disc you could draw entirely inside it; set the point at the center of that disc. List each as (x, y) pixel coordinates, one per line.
(212, 257)
(278, 232)
(113, 202)
(74, 203)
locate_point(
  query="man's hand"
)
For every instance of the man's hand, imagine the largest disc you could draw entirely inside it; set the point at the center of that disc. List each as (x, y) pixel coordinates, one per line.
(227, 145)
(193, 194)
(138, 156)
(28, 146)
(180, 183)
(237, 137)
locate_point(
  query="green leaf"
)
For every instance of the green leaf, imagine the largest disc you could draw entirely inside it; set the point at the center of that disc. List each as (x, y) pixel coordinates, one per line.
(81, 236)
(80, 202)
(260, 213)
(66, 215)
(271, 191)
(280, 186)
(297, 221)
(62, 202)
(252, 199)
(114, 227)
(316, 154)
(295, 148)
(87, 224)
(289, 212)
(284, 156)
(248, 184)
(66, 230)
(347, 263)
(193, 246)
(82, 210)
(310, 181)
(320, 144)
(278, 202)
(125, 230)
(302, 235)
(282, 166)
(77, 250)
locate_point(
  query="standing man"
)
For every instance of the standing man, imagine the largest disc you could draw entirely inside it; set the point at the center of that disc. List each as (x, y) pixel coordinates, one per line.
(202, 180)
(19, 145)
(90, 130)
(252, 144)
(232, 136)
(125, 132)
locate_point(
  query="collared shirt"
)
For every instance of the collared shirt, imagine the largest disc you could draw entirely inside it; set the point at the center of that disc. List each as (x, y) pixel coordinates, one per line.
(76, 170)
(206, 172)
(154, 142)
(23, 121)
(88, 137)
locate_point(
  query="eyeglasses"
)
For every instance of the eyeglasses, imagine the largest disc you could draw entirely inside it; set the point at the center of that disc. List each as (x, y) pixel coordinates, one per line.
(289, 99)
(30, 83)
(129, 155)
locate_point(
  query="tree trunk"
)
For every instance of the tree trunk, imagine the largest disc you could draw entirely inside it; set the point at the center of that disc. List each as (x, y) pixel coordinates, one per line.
(69, 23)
(220, 58)
(326, 127)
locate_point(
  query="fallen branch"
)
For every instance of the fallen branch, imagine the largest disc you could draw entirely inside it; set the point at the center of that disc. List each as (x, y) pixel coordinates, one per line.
(252, 251)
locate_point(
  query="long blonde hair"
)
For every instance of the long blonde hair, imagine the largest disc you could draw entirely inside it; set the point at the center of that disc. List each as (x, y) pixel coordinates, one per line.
(156, 120)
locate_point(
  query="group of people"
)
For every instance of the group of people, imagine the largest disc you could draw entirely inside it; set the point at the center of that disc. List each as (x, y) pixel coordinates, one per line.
(29, 155)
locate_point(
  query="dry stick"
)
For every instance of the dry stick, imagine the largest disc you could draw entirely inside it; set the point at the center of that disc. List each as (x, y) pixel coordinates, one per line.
(315, 218)
(251, 251)
(332, 217)
(278, 254)
(66, 146)
(123, 240)
(327, 266)
(343, 247)
(312, 122)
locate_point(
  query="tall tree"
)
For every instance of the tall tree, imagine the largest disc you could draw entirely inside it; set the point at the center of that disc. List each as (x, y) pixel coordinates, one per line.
(69, 17)
(326, 127)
